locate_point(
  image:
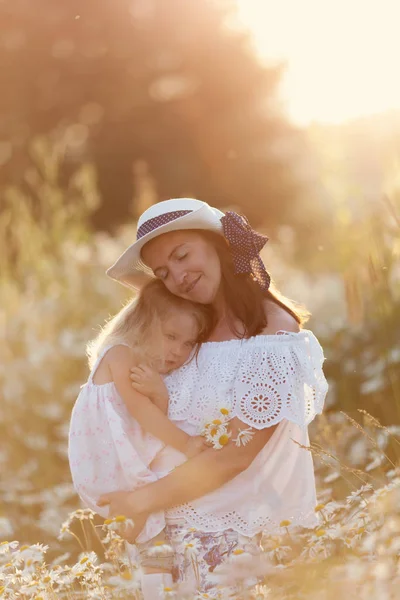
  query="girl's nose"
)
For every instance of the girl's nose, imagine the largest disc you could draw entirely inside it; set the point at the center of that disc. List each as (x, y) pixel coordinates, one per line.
(177, 351)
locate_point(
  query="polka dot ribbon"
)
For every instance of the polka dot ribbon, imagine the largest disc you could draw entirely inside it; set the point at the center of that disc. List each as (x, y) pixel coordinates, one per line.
(245, 245)
(156, 222)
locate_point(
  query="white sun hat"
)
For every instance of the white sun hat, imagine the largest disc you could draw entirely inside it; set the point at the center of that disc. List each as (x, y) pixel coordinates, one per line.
(170, 215)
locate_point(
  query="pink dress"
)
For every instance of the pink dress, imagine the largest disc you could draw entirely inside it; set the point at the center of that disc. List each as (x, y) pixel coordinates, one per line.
(109, 451)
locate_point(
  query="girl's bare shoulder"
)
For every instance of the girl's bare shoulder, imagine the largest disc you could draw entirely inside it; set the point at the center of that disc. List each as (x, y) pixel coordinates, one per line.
(121, 354)
(117, 355)
(118, 361)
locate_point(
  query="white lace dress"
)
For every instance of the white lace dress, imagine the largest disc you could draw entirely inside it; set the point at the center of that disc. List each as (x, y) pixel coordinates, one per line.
(264, 380)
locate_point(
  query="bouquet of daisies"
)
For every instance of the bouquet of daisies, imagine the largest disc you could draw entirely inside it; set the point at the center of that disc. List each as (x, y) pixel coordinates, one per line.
(217, 431)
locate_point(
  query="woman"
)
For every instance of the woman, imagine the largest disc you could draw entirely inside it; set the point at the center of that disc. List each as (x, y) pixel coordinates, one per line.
(258, 365)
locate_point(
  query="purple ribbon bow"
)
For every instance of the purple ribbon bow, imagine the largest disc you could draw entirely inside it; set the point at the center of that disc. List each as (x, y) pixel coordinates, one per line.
(245, 245)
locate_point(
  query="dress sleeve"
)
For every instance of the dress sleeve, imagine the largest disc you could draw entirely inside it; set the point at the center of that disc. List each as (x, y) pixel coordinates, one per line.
(280, 379)
(107, 449)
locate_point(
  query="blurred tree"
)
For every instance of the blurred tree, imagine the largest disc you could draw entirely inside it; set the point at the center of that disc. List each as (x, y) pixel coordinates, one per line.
(173, 83)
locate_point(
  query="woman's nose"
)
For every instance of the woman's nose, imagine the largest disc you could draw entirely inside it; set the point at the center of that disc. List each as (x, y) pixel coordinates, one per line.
(179, 276)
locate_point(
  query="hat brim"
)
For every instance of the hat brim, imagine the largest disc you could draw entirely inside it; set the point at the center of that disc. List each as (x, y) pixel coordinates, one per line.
(130, 270)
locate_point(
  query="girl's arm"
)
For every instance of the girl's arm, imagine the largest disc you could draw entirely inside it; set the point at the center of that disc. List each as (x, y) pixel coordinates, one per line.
(191, 480)
(149, 382)
(140, 407)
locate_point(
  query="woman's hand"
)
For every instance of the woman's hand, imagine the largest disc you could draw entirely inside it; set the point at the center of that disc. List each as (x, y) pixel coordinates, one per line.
(195, 445)
(123, 503)
(148, 382)
(131, 532)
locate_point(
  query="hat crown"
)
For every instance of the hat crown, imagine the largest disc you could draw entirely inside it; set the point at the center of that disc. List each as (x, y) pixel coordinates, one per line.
(167, 206)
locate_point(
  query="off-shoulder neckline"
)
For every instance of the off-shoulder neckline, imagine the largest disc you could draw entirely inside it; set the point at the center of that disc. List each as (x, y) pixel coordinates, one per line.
(281, 336)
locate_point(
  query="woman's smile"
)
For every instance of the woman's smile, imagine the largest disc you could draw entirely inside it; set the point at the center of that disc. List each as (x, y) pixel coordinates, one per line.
(191, 286)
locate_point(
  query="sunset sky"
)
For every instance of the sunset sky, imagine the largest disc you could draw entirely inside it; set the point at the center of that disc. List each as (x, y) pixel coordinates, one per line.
(342, 55)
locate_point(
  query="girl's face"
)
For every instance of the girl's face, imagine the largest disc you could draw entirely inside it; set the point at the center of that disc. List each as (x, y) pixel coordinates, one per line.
(187, 263)
(179, 332)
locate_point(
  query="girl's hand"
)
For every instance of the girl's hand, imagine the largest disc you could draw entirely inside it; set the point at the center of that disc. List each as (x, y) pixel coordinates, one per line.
(195, 445)
(149, 382)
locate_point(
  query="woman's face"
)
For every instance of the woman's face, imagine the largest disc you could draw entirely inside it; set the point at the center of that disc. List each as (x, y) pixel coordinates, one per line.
(187, 263)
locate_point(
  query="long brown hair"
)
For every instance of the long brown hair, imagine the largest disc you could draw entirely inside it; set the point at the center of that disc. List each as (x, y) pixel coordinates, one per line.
(138, 322)
(243, 295)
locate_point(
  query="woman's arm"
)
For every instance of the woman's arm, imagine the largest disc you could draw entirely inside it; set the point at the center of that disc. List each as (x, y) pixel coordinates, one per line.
(195, 478)
(208, 471)
(140, 407)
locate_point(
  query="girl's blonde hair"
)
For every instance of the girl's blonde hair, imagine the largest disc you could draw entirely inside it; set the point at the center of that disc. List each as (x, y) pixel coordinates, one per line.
(138, 323)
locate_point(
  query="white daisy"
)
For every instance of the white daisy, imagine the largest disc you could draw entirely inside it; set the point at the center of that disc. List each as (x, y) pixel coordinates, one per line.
(31, 554)
(213, 424)
(221, 440)
(167, 592)
(126, 581)
(160, 550)
(224, 414)
(192, 548)
(359, 493)
(214, 431)
(244, 436)
(7, 547)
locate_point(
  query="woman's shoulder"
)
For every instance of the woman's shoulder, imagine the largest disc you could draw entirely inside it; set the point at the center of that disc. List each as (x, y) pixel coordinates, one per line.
(278, 319)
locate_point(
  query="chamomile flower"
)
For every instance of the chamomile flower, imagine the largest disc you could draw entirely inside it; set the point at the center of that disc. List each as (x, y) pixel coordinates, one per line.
(222, 417)
(211, 425)
(167, 592)
(31, 554)
(7, 547)
(87, 558)
(244, 436)
(260, 592)
(224, 412)
(214, 432)
(126, 581)
(160, 549)
(116, 523)
(221, 440)
(358, 494)
(192, 548)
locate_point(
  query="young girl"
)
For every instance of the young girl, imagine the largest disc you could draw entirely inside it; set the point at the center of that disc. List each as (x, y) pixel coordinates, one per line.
(116, 433)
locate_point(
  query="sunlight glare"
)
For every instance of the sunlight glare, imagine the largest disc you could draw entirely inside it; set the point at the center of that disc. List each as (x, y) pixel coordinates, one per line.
(341, 55)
